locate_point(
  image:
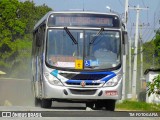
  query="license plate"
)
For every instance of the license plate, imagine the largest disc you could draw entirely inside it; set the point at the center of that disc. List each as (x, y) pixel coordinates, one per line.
(111, 93)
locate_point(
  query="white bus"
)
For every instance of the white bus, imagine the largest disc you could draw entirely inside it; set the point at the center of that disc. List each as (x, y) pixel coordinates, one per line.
(77, 57)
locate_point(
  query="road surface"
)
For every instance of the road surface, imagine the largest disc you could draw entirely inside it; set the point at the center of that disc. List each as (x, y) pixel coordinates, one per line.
(16, 97)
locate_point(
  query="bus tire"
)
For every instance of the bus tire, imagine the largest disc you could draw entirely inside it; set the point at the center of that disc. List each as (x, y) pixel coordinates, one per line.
(46, 103)
(99, 105)
(110, 105)
(90, 105)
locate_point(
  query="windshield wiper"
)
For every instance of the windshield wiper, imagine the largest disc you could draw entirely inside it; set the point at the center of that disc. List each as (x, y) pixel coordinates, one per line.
(98, 33)
(70, 35)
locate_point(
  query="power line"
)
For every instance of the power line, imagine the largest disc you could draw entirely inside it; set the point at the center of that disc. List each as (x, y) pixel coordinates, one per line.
(143, 3)
(121, 3)
(130, 23)
(152, 30)
(145, 6)
(148, 32)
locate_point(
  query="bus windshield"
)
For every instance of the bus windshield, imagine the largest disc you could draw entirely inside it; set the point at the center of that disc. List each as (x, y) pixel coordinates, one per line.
(97, 49)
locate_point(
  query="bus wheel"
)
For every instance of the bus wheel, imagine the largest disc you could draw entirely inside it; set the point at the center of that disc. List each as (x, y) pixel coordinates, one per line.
(99, 105)
(110, 105)
(90, 105)
(46, 103)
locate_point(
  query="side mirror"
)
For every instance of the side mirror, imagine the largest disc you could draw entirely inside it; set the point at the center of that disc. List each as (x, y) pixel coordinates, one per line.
(125, 43)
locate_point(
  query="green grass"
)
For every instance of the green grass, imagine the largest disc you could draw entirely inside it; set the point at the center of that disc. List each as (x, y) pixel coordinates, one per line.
(138, 106)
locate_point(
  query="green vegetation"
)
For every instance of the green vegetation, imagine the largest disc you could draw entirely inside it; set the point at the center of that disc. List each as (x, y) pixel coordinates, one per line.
(17, 21)
(138, 106)
(152, 52)
(154, 86)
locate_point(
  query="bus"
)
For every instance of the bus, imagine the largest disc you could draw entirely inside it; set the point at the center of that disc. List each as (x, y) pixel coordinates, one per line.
(77, 57)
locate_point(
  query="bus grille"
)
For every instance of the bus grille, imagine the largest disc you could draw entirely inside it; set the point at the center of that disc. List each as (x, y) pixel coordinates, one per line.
(87, 84)
(83, 92)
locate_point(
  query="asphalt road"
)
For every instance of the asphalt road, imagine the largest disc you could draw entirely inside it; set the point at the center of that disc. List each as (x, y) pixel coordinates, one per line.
(16, 97)
(15, 92)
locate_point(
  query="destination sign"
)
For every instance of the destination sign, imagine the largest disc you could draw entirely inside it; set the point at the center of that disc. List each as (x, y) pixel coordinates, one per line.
(84, 20)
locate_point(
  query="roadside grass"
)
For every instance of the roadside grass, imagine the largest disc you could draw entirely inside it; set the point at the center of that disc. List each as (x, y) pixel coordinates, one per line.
(137, 106)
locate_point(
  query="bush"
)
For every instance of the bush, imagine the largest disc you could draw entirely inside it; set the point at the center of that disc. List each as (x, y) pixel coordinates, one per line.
(154, 86)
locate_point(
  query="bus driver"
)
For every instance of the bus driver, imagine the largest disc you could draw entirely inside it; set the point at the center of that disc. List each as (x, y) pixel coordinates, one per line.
(104, 52)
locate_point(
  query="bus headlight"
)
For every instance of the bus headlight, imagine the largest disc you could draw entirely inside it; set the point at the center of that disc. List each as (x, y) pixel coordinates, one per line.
(112, 82)
(53, 80)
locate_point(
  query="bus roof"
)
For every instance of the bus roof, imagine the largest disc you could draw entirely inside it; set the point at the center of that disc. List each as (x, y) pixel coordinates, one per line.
(45, 17)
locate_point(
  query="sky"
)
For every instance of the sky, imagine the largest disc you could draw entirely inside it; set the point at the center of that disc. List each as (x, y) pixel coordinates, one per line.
(150, 17)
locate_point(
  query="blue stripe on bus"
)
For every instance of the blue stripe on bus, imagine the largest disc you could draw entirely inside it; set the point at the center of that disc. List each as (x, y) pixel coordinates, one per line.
(109, 75)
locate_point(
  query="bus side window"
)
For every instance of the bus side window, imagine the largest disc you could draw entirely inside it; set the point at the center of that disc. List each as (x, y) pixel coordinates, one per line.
(40, 36)
(34, 43)
(38, 39)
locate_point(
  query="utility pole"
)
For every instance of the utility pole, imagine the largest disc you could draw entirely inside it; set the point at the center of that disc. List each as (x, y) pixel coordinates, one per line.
(130, 70)
(141, 52)
(124, 56)
(134, 77)
(126, 12)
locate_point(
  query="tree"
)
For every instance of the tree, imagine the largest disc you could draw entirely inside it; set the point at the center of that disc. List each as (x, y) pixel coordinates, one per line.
(11, 27)
(157, 44)
(30, 14)
(17, 21)
(154, 86)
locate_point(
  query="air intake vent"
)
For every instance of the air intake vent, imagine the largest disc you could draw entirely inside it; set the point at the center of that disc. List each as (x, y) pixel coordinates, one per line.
(83, 92)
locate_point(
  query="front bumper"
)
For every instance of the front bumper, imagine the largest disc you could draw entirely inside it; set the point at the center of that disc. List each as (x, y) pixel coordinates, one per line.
(78, 93)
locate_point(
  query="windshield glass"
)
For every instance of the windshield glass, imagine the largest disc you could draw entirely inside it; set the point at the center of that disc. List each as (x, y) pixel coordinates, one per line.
(93, 49)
